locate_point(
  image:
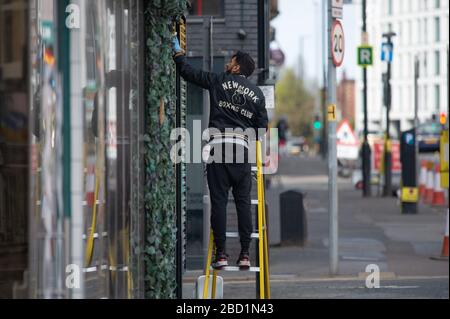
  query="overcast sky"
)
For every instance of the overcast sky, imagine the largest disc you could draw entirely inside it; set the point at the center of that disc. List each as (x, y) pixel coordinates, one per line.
(300, 21)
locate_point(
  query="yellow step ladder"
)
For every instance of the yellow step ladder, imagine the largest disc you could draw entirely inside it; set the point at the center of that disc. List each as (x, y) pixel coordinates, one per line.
(261, 236)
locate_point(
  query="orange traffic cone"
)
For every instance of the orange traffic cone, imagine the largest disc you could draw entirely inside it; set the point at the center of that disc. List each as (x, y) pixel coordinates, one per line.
(429, 189)
(444, 253)
(445, 244)
(423, 179)
(438, 193)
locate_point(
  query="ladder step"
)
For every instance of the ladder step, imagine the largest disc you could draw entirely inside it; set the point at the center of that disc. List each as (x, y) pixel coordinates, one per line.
(105, 234)
(90, 269)
(255, 202)
(236, 269)
(97, 202)
(120, 269)
(236, 235)
(106, 267)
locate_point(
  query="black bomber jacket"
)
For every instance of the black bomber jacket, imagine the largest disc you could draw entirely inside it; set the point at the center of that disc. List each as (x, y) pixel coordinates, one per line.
(235, 101)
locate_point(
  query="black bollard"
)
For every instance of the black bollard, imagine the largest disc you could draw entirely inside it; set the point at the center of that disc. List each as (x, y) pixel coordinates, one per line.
(409, 190)
(293, 218)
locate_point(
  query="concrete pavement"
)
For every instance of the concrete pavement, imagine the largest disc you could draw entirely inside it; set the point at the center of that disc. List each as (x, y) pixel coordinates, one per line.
(342, 288)
(371, 231)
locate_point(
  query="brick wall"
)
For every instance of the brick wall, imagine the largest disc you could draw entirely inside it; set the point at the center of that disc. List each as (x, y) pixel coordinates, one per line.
(346, 99)
(237, 14)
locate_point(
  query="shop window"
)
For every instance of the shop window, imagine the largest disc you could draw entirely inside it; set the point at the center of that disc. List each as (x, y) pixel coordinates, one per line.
(105, 104)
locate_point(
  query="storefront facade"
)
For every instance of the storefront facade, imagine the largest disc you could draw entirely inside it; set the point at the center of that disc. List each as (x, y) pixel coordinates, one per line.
(78, 153)
(85, 164)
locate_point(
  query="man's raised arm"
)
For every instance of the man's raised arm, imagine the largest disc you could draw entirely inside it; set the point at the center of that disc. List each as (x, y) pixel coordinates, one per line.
(188, 72)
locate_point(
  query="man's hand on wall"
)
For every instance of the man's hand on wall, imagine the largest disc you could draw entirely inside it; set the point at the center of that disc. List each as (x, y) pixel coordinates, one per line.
(177, 50)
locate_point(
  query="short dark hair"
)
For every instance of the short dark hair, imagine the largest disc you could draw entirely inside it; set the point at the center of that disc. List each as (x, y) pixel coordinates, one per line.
(246, 63)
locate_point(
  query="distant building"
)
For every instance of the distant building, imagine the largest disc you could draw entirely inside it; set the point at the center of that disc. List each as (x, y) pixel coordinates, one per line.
(346, 99)
(422, 32)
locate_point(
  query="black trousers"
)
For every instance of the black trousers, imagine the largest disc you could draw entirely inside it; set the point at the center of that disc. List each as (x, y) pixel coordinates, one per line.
(222, 177)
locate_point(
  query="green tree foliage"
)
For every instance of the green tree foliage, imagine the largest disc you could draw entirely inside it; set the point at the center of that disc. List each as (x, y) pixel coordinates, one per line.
(296, 103)
(160, 217)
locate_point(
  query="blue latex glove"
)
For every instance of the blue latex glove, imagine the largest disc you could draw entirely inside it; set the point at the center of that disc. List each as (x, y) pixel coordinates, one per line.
(176, 45)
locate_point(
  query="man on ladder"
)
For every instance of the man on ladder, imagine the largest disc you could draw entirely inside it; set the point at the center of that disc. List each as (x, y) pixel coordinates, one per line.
(236, 103)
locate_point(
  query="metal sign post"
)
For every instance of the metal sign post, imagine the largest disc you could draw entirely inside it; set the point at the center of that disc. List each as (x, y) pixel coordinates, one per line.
(365, 58)
(416, 112)
(335, 58)
(387, 55)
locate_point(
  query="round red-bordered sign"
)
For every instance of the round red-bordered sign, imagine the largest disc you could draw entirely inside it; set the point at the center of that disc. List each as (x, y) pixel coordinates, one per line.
(337, 43)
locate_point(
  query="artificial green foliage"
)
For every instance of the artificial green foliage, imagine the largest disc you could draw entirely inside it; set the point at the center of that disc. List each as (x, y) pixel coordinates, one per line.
(160, 200)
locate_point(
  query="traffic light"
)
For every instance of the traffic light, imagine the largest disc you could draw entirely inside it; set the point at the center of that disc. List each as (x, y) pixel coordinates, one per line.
(317, 123)
(443, 119)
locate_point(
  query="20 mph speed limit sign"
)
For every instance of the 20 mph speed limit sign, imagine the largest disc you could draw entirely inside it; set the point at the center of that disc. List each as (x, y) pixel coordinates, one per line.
(337, 43)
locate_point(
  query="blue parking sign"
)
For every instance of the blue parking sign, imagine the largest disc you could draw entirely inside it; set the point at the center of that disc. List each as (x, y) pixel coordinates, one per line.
(387, 52)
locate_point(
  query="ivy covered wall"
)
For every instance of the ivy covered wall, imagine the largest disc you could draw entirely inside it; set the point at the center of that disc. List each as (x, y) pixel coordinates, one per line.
(160, 196)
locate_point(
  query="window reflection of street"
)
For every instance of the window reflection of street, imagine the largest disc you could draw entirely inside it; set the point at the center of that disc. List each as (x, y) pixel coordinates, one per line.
(106, 124)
